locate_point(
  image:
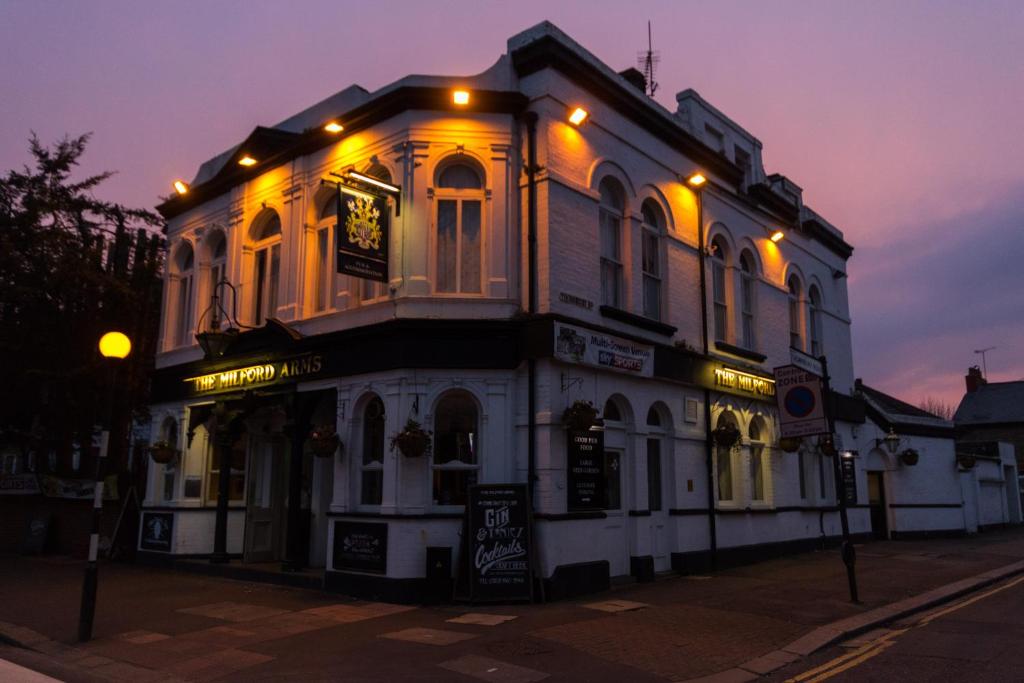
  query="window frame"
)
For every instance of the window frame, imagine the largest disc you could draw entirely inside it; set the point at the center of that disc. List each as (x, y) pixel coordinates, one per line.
(613, 216)
(794, 289)
(748, 300)
(266, 280)
(814, 308)
(729, 462)
(460, 196)
(758, 439)
(372, 466)
(719, 257)
(651, 233)
(436, 469)
(184, 295)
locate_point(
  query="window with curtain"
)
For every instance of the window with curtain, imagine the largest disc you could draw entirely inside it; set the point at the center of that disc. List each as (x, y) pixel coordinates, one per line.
(323, 255)
(718, 289)
(758, 466)
(723, 462)
(456, 457)
(371, 480)
(814, 299)
(650, 248)
(266, 236)
(796, 339)
(748, 301)
(610, 216)
(460, 198)
(183, 307)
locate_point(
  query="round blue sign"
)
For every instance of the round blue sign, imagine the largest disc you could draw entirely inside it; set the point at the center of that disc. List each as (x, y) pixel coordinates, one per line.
(799, 401)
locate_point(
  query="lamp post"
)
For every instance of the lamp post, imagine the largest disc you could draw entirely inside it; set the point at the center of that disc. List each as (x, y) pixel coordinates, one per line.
(114, 346)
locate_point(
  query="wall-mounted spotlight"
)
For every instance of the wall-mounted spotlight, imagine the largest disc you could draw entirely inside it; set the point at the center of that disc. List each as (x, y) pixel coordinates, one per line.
(776, 235)
(373, 181)
(181, 187)
(460, 97)
(334, 127)
(696, 180)
(578, 116)
(247, 161)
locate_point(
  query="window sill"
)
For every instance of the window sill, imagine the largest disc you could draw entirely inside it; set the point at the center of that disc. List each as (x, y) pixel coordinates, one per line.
(740, 351)
(637, 320)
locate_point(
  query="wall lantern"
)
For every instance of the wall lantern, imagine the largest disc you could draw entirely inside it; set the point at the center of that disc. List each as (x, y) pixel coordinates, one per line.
(216, 339)
(891, 442)
(776, 236)
(181, 187)
(334, 127)
(460, 97)
(696, 180)
(578, 116)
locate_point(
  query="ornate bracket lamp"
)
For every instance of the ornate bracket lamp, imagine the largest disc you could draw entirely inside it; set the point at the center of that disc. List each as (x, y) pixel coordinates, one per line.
(216, 339)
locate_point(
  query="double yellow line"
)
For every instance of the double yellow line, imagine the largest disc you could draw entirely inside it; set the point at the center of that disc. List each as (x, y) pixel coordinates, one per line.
(881, 644)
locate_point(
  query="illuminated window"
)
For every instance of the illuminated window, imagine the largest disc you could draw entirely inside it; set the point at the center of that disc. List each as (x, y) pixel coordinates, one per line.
(718, 289)
(814, 320)
(748, 299)
(611, 213)
(650, 253)
(460, 195)
(723, 461)
(217, 248)
(371, 489)
(183, 282)
(266, 235)
(237, 453)
(758, 462)
(323, 253)
(796, 337)
(456, 456)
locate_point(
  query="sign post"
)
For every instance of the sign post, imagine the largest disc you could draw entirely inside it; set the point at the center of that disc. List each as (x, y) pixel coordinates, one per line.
(804, 410)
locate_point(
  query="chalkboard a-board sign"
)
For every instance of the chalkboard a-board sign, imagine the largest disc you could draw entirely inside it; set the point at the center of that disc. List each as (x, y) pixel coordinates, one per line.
(499, 543)
(849, 472)
(157, 528)
(361, 546)
(586, 482)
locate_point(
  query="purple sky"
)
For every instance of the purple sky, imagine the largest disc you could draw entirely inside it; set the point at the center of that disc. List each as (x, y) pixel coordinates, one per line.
(902, 121)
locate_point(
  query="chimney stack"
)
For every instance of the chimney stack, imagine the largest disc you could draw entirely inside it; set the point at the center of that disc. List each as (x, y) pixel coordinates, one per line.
(974, 379)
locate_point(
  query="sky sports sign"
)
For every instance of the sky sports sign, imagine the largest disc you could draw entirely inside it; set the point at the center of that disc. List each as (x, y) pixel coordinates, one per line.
(801, 402)
(579, 345)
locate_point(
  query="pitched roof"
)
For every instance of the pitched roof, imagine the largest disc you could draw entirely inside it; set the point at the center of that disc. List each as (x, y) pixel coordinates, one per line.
(997, 402)
(889, 411)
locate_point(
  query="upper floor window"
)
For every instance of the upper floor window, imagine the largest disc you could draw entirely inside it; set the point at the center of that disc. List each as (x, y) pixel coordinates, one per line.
(748, 299)
(456, 457)
(370, 290)
(650, 252)
(323, 254)
(217, 245)
(796, 338)
(266, 237)
(814, 299)
(372, 463)
(718, 289)
(611, 213)
(758, 464)
(185, 283)
(460, 199)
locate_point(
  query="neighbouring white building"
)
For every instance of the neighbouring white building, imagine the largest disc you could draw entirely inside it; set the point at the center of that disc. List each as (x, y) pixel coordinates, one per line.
(533, 261)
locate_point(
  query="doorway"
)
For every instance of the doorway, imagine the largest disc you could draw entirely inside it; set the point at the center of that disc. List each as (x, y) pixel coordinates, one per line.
(265, 500)
(879, 508)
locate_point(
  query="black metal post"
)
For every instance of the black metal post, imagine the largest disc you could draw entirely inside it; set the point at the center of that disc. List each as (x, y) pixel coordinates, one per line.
(848, 552)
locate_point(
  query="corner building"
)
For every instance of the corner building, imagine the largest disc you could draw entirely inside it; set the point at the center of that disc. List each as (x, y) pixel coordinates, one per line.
(532, 263)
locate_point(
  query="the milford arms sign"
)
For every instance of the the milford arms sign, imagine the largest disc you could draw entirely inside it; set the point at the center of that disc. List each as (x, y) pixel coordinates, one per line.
(264, 374)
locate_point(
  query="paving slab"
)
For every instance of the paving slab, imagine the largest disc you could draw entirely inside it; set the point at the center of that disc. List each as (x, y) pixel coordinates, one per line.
(482, 619)
(428, 636)
(493, 670)
(616, 605)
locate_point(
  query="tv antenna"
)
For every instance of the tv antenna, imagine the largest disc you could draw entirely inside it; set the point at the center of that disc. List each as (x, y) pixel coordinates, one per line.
(648, 61)
(984, 367)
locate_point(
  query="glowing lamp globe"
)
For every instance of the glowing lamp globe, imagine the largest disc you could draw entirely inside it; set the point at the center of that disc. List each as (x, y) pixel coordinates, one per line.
(115, 345)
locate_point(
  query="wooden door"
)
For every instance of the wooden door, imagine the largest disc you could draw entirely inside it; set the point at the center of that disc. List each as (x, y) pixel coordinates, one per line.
(265, 500)
(876, 500)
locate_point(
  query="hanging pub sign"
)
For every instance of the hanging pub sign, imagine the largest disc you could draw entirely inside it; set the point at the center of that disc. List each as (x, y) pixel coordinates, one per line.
(157, 528)
(361, 546)
(499, 543)
(362, 234)
(586, 482)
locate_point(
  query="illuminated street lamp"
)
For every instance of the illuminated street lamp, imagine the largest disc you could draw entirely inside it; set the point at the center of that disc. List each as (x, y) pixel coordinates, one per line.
(891, 441)
(114, 346)
(460, 97)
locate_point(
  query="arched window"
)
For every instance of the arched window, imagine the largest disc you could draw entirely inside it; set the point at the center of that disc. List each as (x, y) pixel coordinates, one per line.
(611, 412)
(719, 295)
(653, 229)
(460, 199)
(266, 237)
(169, 435)
(814, 300)
(456, 456)
(748, 299)
(611, 213)
(185, 265)
(796, 337)
(323, 254)
(723, 458)
(371, 490)
(758, 466)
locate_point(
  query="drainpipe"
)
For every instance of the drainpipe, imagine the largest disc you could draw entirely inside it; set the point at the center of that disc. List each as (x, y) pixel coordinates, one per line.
(531, 237)
(709, 457)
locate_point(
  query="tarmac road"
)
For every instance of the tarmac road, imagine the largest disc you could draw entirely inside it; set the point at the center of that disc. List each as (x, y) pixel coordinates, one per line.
(978, 638)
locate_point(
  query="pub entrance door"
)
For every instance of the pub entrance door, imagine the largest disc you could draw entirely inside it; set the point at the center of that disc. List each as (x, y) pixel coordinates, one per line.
(265, 502)
(877, 503)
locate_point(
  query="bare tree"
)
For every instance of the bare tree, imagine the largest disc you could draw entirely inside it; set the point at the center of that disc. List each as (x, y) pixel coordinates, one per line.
(938, 407)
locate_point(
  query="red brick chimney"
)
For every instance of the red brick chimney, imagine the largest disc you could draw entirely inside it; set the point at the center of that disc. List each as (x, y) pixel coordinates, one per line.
(974, 379)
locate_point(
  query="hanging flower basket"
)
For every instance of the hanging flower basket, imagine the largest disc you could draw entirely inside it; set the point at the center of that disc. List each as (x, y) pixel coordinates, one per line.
(162, 452)
(324, 441)
(909, 457)
(827, 446)
(790, 444)
(965, 461)
(580, 416)
(726, 436)
(413, 441)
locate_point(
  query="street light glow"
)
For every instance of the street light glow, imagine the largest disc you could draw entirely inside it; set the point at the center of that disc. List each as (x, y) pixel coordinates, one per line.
(777, 236)
(696, 180)
(181, 187)
(334, 127)
(247, 161)
(115, 345)
(460, 97)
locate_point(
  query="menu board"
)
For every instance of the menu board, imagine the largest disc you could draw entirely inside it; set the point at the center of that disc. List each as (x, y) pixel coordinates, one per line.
(157, 530)
(499, 543)
(849, 480)
(585, 475)
(361, 546)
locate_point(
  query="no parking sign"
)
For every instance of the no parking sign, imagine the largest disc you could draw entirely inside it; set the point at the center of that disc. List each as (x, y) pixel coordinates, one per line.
(801, 402)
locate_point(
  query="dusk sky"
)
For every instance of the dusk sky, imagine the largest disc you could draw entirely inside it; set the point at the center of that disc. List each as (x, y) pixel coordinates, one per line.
(902, 121)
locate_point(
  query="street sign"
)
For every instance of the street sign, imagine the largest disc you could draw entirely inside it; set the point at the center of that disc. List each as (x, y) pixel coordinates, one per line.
(806, 362)
(801, 402)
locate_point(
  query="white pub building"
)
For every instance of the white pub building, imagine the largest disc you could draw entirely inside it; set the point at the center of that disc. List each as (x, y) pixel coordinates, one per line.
(506, 251)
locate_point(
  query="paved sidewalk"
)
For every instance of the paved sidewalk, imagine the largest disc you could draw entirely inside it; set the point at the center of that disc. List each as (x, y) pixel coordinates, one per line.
(155, 625)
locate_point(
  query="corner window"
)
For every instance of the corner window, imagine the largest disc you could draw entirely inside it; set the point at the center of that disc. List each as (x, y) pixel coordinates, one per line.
(460, 199)
(610, 216)
(456, 457)
(266, 235)
(748, 299)
(718, 289)
(796, 338)
(371, 480)
(650, 252)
